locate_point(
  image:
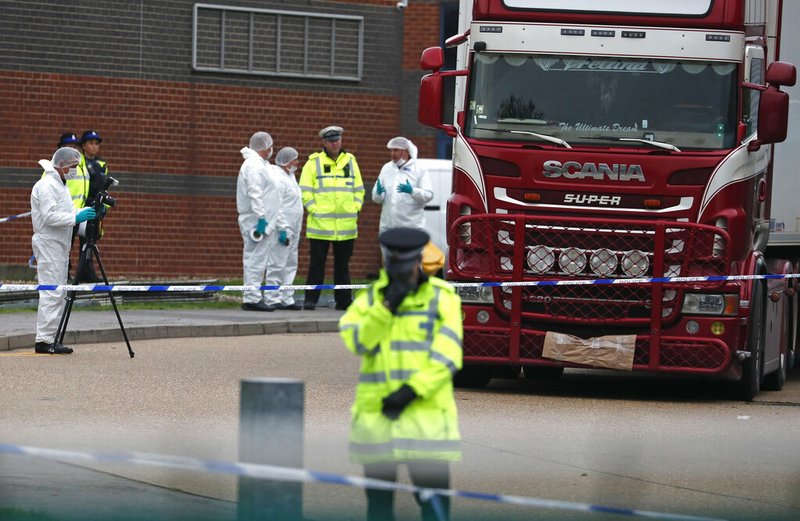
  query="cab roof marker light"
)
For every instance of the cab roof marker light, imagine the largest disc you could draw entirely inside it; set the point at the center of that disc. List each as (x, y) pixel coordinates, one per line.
(573, 32)
(633, 34)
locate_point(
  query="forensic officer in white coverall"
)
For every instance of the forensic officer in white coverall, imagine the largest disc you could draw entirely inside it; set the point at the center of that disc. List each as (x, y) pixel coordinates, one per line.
(258, 203)
(53, 218)
(282, 259)
(403, 188)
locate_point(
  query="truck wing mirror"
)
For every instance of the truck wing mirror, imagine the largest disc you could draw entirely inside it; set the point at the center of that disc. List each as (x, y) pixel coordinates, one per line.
(431, 109)
(781, 73)
(432, 59)
(773, 116)
(773, 105)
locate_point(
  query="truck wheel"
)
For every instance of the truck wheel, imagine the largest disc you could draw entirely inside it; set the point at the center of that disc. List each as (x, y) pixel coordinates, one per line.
(750, 384)
(549, 373)
(507, 372)
(473, 377)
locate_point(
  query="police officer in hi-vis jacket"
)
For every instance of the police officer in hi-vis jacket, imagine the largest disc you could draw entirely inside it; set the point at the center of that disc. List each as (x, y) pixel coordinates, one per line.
(333, 195)
(407, 329)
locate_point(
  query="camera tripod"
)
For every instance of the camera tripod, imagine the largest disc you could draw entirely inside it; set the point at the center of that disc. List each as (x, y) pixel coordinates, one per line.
(89, 248)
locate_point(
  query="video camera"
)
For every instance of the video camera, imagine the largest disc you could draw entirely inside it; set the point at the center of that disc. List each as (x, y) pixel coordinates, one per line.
(99, 203)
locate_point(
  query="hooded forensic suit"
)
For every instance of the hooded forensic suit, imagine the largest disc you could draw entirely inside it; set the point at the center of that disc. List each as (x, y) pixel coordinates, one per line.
(403, 209)
(282, 259)
(53, 217)
(257, 196)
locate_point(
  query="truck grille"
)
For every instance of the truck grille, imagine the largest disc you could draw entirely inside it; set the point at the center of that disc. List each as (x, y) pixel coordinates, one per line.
(527, 248)
(675, 354)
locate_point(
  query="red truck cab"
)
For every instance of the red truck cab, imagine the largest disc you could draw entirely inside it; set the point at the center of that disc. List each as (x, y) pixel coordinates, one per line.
(601, 151)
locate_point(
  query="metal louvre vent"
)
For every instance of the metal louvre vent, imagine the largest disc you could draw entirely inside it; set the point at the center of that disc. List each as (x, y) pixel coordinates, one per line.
(557, 249)
(277, 43)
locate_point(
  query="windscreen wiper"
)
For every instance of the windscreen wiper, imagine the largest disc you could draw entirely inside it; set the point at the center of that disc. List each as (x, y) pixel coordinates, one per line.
(657, 144)
(543, 137)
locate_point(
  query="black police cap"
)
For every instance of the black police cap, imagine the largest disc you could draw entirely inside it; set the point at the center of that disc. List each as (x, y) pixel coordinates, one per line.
(402, 247)
(67, 138)
(89, 135)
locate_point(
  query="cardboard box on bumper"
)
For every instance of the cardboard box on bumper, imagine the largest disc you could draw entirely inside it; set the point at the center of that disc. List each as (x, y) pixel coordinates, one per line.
(611, 351)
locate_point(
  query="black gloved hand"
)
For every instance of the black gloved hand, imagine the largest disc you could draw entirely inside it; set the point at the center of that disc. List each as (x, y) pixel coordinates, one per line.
(395, 403)
(396, 291)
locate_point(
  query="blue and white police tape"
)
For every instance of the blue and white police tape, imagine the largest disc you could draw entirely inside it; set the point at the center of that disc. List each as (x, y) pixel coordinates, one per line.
(271, 472)
(566, 282)
(12, 217)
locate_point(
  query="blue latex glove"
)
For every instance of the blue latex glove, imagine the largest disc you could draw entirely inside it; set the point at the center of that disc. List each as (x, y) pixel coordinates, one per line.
(87, 214)
(282, 238)
(261, 227)
(405, 188)
(381, 189)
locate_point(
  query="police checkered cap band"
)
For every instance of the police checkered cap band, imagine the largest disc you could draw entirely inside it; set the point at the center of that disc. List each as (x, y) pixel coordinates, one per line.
(331, 133)
(401, 256)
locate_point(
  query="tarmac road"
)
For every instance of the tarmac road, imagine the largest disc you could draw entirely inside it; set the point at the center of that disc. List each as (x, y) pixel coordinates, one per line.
(621, 440)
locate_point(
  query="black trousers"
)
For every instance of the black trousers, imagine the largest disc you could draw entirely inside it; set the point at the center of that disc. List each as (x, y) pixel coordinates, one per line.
(342, 251)
(423, 473)
(85, 271)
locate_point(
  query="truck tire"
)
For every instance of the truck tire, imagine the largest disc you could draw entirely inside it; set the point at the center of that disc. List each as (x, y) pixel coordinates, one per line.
(549, 373)
(750, 383)
(473, 377)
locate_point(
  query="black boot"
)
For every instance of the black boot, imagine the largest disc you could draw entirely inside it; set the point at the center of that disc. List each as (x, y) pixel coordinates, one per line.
(52, 349)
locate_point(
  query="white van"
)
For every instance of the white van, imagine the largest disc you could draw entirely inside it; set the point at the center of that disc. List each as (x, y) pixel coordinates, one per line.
(441, 174)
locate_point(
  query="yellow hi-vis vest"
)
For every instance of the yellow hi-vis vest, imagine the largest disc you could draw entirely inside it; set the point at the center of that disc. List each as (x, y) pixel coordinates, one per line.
(420, 347)
(333, 194)
(79, 187)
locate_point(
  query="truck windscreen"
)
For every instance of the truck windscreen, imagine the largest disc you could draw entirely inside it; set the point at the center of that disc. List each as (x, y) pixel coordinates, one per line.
(590, 101)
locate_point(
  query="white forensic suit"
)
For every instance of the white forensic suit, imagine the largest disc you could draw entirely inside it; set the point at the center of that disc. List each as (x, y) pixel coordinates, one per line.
(257, 196)
(53, 218)
(282, 260)
(402, 209)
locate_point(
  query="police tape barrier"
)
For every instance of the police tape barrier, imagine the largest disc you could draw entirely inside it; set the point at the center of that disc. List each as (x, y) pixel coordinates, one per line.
(570, 282)
(306, 476)
(12, 217)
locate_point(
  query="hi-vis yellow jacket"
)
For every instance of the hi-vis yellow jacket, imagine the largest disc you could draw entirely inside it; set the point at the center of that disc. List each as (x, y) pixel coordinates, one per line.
(420, 347)
(333, 194)
(78, 187)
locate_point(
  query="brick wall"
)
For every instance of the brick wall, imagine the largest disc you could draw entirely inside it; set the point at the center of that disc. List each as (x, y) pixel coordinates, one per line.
(420, 31)
(179, 128)
(171, 135)
(421, 28)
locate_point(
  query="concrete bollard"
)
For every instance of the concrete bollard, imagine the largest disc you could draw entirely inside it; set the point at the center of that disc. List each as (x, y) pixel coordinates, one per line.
(271, 433)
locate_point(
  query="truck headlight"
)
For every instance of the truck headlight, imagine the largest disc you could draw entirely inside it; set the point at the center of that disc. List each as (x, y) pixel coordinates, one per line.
(476, 295)
(541, 259)
(635, 263)
(710, 304)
